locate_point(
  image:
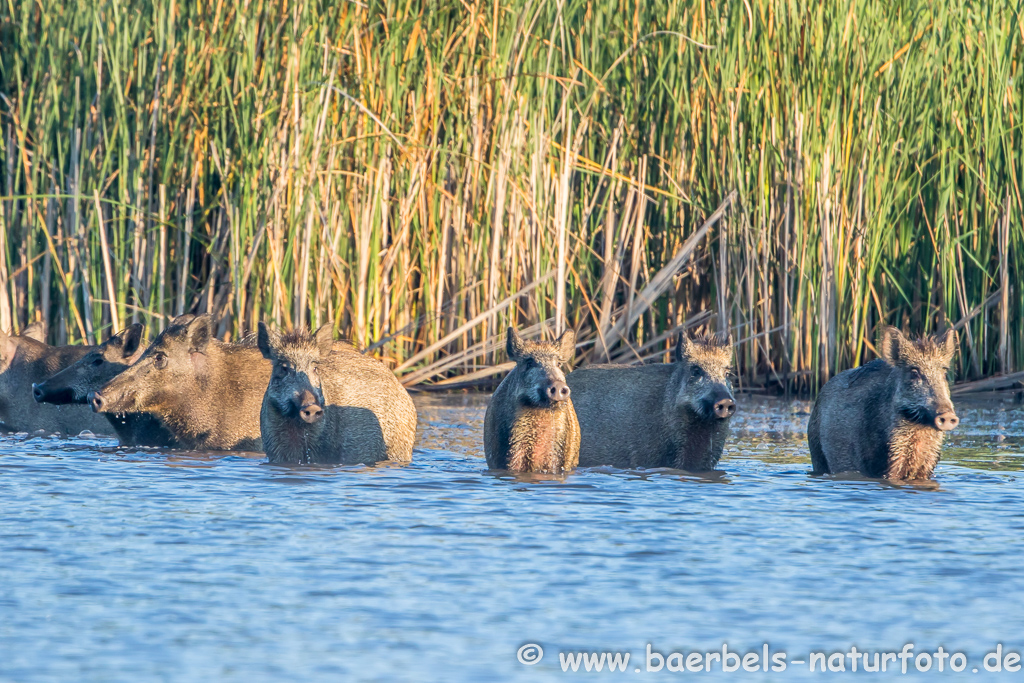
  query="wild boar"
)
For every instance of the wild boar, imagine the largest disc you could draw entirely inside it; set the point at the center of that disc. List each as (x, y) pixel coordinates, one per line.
(25, 360)
(101, 364)
(887, 418)
(658, 415)
(328, 403)
(530, 424)
(207, 393)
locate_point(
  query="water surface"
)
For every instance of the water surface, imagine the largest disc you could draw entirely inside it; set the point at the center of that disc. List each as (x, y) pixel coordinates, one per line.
(136, 565)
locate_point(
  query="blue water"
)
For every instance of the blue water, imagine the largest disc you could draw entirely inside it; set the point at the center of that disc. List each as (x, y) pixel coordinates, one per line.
(128, 565)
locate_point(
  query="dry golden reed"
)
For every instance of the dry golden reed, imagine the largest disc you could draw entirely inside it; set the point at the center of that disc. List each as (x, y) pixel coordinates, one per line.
(422, 174)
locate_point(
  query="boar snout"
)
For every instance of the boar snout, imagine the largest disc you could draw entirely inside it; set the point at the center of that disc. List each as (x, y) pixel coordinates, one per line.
(44, 394)
(309, 407)
(97, 401)
(724, 408)
(946, 421)
(716, 403)
(311, 414)
(112, 400)
(558, 391)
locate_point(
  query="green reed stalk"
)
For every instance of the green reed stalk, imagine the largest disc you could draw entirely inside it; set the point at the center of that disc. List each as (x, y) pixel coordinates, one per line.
(398, 168)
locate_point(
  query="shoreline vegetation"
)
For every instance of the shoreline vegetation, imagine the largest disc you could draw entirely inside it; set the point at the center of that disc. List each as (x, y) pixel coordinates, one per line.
(422, 175)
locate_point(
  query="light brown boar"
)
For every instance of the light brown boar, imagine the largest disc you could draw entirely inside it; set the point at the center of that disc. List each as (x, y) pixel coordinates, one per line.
(660, 415)
(887, 418)
(207, 393)
(102, 363)
(328, 403)
(530, 424)
(24, 360)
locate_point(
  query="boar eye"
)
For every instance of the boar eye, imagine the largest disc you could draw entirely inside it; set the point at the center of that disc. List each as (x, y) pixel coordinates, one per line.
(696, 372)
(915, 374)
(160, 361)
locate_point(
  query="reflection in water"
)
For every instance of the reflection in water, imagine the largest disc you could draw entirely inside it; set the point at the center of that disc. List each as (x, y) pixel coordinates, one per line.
(132, 564)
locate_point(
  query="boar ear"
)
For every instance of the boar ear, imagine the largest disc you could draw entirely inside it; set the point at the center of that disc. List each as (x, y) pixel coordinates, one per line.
(514, 345)
(948, 342)
(6, 347)
(182, 320)
(324, 339)
(131, 339)
(683, 347)
(567, 345)
(199, 331)
(266, 340)
(889, 344)
(35, 331)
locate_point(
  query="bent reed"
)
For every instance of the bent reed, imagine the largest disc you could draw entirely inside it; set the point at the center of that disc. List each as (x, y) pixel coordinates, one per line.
(420, 177)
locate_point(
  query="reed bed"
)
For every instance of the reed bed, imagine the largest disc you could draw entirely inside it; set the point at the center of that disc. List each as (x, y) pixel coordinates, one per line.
(422, 174)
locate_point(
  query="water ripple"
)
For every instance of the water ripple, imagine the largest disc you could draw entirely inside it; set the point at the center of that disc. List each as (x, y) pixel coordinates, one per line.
(132, 564)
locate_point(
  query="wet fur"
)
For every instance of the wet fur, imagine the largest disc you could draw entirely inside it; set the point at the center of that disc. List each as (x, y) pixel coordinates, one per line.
(521, 434)
(859, 422)
(522, 438)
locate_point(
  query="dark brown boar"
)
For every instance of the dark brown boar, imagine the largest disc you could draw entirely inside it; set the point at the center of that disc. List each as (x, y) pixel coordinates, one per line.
(25, 360)
(207, 393)
(659, 415)
(530, 424)
(328, 403)
(101, 364)
(887, 418)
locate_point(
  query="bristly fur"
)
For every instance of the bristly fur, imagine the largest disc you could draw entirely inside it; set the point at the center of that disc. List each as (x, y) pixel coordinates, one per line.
(913, 451)
(249, 340)
(538, 440)
(523, 430)
(898, 349)
(299, 338)
(707, 338)
(705, 348)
